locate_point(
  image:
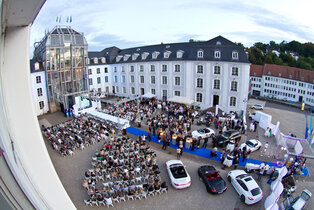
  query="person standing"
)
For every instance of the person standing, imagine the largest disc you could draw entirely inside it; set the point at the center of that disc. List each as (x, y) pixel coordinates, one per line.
(223, 156)
(205, 141)
(178, 153)
(260, 173)
(214, 140)
(244, 154)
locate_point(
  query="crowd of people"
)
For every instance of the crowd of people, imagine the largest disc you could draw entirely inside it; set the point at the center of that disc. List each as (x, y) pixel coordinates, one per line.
(76, 133)
(128, 169)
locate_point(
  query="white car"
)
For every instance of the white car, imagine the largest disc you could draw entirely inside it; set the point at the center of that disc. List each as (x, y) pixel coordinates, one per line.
(203, 132)
(251, 145)
(245, 186)
(179, 177)
(257, 106)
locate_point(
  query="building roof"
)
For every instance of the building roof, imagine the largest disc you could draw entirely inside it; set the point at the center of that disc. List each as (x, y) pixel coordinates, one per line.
(189, 50)
(256, 70)
(287, 72)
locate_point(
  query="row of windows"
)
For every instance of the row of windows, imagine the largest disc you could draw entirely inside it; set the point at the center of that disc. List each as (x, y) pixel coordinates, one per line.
(311, 100)
(164, 68)
(256, 85)
(256, 79)
(90, 72)
(164, 81)
(289, 82)
(275, 92)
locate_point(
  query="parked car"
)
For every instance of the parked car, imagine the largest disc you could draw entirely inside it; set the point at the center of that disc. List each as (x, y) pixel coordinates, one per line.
(251, 145)
(257, 106)
(179, 177)
(203, 132)
(212, 180)
(227, 136)
(245, 186)
(299, 202)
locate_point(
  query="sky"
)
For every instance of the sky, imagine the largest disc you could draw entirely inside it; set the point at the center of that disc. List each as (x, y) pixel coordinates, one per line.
(125, 23)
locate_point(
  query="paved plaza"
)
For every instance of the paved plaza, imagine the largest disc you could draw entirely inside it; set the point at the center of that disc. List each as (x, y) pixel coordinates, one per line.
(71, 172)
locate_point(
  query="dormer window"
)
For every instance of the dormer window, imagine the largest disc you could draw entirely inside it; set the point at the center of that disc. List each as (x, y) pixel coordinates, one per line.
(144, 55)
(118, 58)
(218, 43)
(235, 55)
(180, 53)
(217, 54)
(155, 55)
(87, 60)
(134, 56)
(200, 54)
(167, 54)
(103, 60)
(36, 66)
(126, 57)
(95, 60)
(279, 74)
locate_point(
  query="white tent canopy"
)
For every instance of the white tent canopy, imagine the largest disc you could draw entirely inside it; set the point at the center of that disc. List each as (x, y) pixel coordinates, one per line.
(181, 100)
(148, 95)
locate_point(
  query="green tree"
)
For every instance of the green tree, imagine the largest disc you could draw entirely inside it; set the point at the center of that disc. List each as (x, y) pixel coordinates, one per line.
(261, 46)
(268, 59)
(278, 61)
(309, 50)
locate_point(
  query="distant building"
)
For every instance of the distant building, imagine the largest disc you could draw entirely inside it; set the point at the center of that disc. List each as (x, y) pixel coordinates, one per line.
(282, 82)
(61, 55)
(214, 72)
(38, 81)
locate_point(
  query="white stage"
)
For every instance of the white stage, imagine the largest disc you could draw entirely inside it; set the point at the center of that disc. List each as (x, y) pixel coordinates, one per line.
(92, 111)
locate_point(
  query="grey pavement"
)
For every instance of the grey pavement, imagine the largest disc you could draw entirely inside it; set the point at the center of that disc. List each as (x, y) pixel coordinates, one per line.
(71, 173)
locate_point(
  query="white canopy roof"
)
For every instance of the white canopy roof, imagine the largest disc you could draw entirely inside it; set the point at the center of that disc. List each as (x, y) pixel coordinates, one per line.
(148, 95)
(181, 100)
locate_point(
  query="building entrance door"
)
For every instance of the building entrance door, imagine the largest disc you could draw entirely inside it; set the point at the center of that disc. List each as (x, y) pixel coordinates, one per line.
(300, 99)
(215, 100)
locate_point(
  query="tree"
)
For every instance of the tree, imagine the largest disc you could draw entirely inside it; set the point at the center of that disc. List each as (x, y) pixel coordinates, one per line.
(268, 59)
(239, 44)
(278, 61)
(261, 46)
(309, 50)
(273, 45)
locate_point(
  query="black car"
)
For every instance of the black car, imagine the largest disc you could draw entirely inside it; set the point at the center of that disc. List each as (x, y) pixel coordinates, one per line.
(226, 137)
(212, 180)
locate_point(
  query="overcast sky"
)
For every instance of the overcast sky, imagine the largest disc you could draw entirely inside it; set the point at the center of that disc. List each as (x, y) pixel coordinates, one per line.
(125, 23)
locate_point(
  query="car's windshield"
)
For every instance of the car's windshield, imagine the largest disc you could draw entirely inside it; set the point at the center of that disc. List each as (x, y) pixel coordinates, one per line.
(206, 130)
(249, 143)
(225, 135)
(178, 172)
(256, 191)
(201, 131)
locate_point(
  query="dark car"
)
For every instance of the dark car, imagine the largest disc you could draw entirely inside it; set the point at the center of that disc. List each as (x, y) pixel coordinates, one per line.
(212, 180)
(226, 137)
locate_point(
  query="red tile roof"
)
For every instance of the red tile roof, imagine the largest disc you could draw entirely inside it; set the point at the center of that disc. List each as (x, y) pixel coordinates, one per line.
(256, 70)
(282, 71)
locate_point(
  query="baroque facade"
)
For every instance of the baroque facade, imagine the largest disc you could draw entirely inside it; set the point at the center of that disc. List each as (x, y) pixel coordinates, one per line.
(214, 72)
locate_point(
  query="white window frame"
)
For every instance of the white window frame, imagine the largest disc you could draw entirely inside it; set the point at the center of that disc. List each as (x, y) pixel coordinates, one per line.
(232, 101)
(142, 82)
(132, 90)
(106, 79)
(164, 82)
(90, 71)
(153, 91)
(199, 84)
(200, 69)
(235, 55)
(38, 79)
(219, 69)
(199, 97)
(217, 54)
(98, 80)
(233, 70)
(90, 81)
(177, 91)
(152, 81)
(152, 68)
(41, 104)
(177, 82)
(177, 68)
(131, 68)
(214, 84)
(132, 79)
(98, 70)
(39, 92)
(234, 86)
(164, 68)
(200, 53)
(141, 68)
